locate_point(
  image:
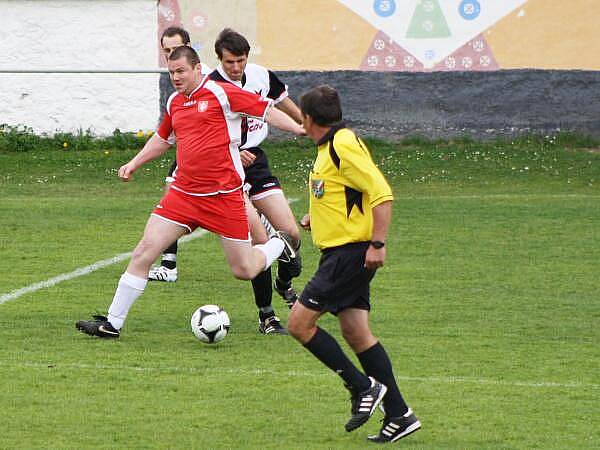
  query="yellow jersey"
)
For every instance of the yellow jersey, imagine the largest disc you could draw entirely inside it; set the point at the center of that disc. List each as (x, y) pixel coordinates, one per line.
(345, 185)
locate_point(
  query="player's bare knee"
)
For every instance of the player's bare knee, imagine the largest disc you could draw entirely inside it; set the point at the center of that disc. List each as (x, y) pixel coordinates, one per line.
(144, 252)
(355, 338)
(297, 329)
(243, 271)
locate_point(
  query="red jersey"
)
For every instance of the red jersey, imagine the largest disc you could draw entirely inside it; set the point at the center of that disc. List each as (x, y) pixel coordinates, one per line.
(207, 127)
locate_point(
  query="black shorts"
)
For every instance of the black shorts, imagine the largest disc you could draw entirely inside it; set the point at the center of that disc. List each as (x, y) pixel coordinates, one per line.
(259, 176)
(341, 281)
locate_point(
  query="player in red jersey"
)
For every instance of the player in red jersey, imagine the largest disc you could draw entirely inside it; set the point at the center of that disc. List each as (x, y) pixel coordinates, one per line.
(204, 117)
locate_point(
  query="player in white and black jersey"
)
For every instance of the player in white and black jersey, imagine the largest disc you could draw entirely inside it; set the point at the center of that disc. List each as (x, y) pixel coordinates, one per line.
(262, 187)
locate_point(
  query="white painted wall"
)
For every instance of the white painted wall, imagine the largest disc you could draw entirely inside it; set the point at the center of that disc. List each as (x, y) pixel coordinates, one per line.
(76, 35)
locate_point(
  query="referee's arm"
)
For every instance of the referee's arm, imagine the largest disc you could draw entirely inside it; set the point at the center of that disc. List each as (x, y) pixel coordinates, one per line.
(382, 216)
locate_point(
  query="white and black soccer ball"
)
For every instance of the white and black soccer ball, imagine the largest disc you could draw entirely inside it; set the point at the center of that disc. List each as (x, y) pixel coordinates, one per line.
(210, 324)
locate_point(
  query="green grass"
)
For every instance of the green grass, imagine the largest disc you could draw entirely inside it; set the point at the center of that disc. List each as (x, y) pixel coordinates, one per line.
(488, 305)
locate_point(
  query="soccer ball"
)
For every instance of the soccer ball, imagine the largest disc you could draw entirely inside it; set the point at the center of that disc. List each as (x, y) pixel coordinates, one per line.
(210, 324)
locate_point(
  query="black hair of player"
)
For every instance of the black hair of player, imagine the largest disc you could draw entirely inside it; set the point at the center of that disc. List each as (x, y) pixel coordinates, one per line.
(176, 31)
(322, 104)
(233, 42)
(185, 52)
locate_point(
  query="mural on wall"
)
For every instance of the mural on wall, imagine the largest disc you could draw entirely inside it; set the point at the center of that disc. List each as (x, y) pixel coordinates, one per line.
(398, 35)
(417, 35)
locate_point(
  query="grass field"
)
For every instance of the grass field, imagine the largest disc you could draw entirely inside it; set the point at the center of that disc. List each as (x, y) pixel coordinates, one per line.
(488, 305)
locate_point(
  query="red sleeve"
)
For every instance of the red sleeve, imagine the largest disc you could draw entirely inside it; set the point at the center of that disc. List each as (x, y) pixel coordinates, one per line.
(245, 102)
(165, 128)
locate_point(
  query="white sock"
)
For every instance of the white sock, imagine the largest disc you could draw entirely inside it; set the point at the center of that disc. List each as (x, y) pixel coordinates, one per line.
(129, 289)
(271, 249)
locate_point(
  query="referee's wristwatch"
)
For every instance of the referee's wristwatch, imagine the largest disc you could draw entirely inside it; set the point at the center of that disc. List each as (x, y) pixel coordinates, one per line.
(377, 244)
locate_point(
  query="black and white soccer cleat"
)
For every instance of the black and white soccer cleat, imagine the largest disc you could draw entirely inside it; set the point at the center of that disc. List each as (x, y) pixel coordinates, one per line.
(271, 325)
(99, 326)
(395, 428)
(364, 404)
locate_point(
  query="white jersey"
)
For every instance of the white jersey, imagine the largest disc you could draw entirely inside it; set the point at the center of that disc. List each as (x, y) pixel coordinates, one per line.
(258, 80)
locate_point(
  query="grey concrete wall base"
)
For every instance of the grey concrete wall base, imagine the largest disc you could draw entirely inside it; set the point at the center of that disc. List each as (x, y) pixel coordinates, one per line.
(504, 103)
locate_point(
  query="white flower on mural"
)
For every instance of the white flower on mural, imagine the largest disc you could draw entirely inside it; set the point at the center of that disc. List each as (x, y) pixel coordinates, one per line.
(385, 6)
(428, 5)
(379, 44)
(485, 60)
(372, 60)
(450, 62)
(467, 62)
(428, 26)
(167, 13)
(469, 8)
(409, 61)
(390, 60)
(478, 45)
(199, 21)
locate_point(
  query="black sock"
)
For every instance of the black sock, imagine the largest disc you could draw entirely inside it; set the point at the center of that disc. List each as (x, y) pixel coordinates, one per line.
(377, 364)
(169, 259)
(283, 275)
(263, 289)
(329, 352)
(284, 285)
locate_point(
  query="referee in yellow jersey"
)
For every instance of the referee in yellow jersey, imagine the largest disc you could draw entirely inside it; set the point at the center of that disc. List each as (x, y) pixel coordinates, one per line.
(350, 212)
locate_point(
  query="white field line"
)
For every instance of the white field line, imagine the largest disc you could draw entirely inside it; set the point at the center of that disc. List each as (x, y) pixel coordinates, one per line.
(88, 269)
(218, 372)
(80, 272)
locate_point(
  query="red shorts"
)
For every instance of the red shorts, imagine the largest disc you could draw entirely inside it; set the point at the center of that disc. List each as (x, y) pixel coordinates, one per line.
(223, 214)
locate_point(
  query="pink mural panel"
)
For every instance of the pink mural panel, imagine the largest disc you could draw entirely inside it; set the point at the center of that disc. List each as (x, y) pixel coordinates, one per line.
(384, 55)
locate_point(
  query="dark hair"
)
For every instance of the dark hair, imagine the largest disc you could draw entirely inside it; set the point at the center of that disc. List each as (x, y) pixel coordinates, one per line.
(185, 52)
(233, 42)
(322, 104)
(174, 31)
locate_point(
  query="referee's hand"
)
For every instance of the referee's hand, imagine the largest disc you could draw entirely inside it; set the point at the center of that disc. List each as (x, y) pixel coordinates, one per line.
(305, 222)
(374, 258)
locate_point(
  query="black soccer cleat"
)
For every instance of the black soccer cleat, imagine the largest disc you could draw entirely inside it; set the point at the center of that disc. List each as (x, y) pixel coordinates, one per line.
(288, 293)
(364, 404)
(395, 428)
(271, 325)
(100, 327)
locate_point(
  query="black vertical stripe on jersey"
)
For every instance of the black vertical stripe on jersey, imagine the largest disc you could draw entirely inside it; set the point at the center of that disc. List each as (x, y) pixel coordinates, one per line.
(244, 136)
(361, 144)
(353, 198)
(333, 154)
(276, 86)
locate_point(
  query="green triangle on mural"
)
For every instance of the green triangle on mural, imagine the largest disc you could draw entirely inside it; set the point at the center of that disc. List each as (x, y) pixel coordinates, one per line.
(428, 21)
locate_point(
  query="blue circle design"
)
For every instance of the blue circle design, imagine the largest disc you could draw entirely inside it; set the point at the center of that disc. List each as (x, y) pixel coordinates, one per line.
(384, 8)
(469, 9)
